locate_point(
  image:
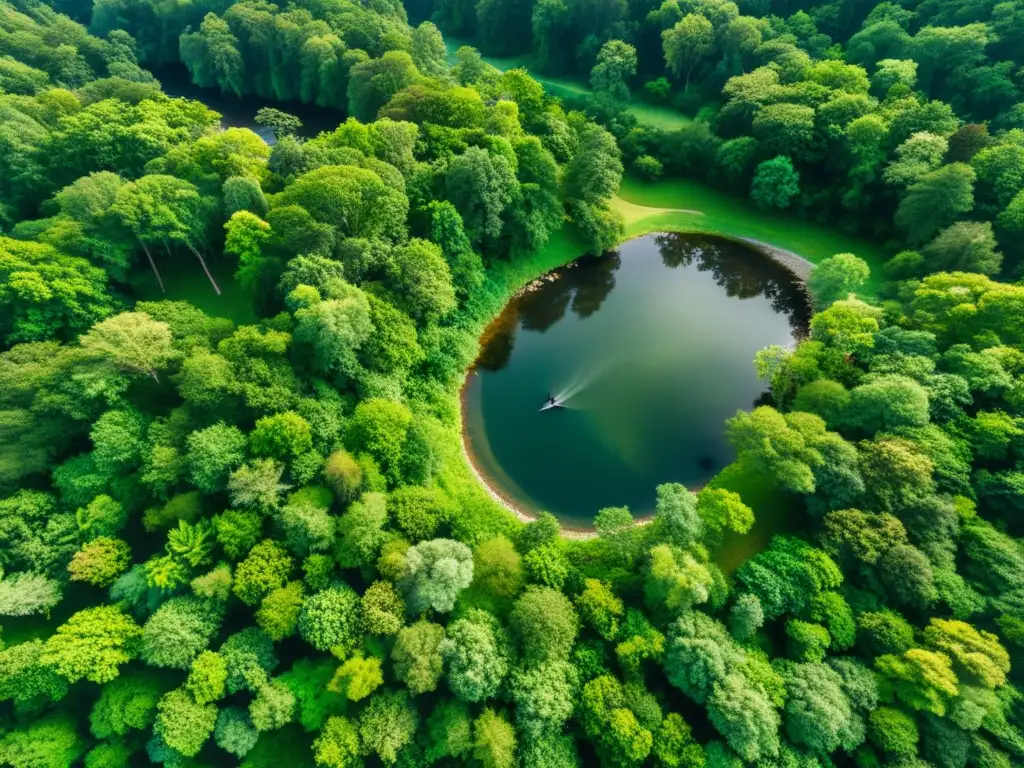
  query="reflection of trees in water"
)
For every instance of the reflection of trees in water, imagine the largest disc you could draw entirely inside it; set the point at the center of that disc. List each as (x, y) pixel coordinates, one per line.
(542, 308)
(678, 251)
(742, 272)
(498, 341)
(593, 281)
(583, 287)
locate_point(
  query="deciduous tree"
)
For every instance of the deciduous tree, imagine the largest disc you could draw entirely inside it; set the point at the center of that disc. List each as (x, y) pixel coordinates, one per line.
(417, 656)
(436, 571)
(93, 644)
(686, 44)
(775, 183)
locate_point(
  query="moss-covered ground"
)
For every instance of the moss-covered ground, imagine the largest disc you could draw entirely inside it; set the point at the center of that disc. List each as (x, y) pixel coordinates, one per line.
(775, 512)
(185, 281)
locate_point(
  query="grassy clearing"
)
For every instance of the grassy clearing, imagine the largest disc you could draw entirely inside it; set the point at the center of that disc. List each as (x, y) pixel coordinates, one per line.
(185, 281)
(684, 205)
(665, 118)
(571, 90)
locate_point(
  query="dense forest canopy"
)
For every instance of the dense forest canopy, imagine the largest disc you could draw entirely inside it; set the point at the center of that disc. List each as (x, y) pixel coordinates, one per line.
(227, 543)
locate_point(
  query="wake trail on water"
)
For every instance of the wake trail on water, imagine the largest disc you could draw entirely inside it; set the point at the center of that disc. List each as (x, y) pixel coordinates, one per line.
(580, 383)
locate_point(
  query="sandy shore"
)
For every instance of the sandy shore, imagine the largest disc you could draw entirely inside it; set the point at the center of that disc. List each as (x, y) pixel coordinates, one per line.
(525, 517)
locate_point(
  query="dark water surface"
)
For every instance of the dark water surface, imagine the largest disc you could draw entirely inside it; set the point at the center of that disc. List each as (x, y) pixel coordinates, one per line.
(241, 112)
(652, 347)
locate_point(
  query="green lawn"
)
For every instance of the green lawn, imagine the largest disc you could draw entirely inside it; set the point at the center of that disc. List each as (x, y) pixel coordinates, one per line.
(571, 90)
(655, 207)
(665, 118)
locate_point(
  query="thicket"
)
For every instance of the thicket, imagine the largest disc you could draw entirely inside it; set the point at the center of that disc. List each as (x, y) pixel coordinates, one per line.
(258, 544)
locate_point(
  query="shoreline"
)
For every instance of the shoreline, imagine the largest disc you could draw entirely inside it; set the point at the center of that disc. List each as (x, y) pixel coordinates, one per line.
(566, 532)
(797, 265)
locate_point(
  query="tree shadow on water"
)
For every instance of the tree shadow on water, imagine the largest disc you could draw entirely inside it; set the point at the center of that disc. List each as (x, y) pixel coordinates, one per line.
(594, 281)
(581, 286)
(742, 272)
(542, 308)
(498, 341)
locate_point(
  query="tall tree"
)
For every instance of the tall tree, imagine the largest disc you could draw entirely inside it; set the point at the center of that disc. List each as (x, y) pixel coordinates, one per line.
(131, 341)
(481, 186)
(967, 246)
(687, 44)
(616, 64)
(775, 183)
(935, 201)
(160, 210)
(836, 278)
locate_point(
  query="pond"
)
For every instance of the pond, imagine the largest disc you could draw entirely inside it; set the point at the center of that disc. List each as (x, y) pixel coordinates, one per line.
(241, 112)
(650, 347)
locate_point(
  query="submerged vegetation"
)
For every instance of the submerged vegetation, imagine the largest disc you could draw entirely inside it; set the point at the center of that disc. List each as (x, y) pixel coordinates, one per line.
(255, 541)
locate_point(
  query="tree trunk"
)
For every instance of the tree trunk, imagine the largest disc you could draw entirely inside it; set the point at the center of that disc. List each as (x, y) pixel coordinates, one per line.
(205, 268)
(152, 263)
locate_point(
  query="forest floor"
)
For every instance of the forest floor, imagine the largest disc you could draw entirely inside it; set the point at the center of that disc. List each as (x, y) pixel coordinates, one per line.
(186, 282)
(775, 512)
(570, 90)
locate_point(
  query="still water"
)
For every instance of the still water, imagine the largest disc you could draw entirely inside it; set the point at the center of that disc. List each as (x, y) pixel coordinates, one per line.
(240, 112)
(651, 348)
